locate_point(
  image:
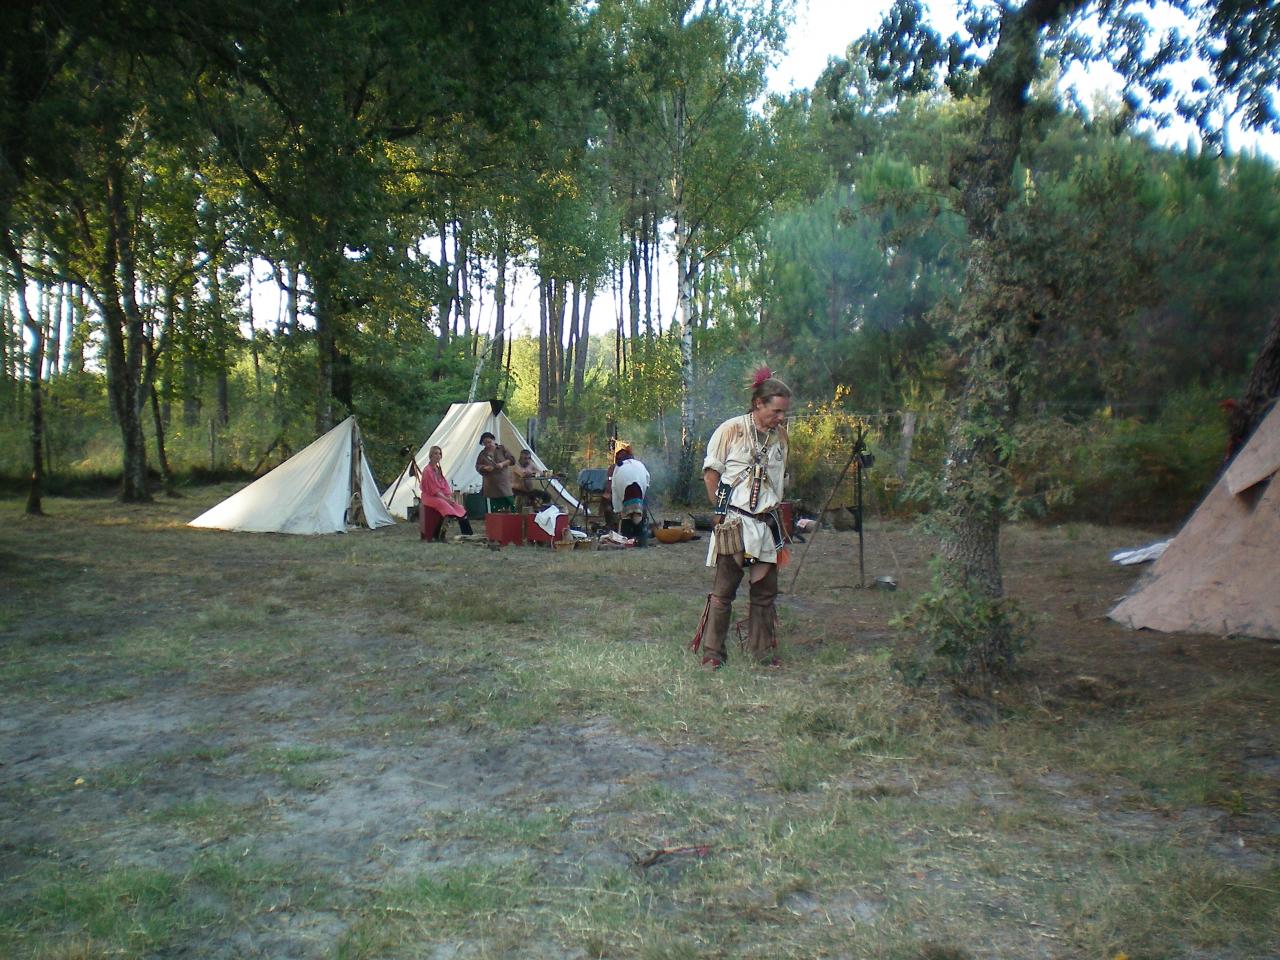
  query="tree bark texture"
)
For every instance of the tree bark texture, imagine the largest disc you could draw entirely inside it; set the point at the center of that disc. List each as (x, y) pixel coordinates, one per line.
(123, 323)
(544, 402)
(685, 280)
(500, 306)
(1260, 393)
(995, 323)
(35, 362)
(580, 358)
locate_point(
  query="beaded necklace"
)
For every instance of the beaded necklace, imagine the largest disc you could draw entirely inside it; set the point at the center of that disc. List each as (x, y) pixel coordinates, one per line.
(759, 475)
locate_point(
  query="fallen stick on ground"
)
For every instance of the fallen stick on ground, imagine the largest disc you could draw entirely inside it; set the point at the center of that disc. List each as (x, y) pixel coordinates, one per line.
(653, 856)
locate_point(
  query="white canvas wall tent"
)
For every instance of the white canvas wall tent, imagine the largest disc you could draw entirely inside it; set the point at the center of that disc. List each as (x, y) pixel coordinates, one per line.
(458, 437)
(322, 489)
(1221, 573)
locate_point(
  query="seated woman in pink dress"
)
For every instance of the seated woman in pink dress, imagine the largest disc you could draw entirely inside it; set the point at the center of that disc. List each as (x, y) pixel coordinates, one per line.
(437, 500)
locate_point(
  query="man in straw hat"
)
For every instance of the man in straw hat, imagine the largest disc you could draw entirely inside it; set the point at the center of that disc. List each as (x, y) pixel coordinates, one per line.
(743, 471)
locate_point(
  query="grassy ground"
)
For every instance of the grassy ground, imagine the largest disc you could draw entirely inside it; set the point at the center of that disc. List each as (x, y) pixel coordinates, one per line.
(220, 745)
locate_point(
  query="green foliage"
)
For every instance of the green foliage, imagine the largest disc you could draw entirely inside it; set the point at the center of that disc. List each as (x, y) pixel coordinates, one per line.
(852, 277)
(1143, 266)
(953, 626)
(1124, 470)
(400, 396)
(821, 437)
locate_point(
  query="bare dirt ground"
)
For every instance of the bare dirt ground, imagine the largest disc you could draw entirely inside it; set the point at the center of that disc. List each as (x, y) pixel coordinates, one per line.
(219, 745)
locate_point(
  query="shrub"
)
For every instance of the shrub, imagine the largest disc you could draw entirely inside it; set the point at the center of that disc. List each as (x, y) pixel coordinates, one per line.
(971, 636)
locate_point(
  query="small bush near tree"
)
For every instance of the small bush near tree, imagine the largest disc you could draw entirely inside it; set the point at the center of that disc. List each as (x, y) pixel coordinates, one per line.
(949, 627)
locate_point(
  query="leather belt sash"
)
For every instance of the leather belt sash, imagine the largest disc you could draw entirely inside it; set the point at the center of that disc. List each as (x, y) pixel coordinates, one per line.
(769, 518)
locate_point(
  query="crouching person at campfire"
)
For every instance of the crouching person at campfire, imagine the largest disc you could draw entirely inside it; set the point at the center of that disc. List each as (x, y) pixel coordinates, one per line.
(629, 485)
(744, 470)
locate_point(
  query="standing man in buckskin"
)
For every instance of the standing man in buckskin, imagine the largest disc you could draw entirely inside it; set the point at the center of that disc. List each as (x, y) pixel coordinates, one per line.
(494, 465)
(743, 472)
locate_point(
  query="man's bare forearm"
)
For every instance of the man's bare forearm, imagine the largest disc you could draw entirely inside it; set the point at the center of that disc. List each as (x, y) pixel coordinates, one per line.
(712, 480)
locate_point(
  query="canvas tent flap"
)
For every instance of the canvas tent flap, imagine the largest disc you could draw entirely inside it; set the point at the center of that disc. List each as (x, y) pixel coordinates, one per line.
(1260, 457)
(458, 437)
(308, 493)
(375, 512)
(1219, 573)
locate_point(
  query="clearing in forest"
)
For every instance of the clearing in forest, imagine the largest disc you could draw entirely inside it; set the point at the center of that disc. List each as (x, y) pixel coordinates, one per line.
(225, 745)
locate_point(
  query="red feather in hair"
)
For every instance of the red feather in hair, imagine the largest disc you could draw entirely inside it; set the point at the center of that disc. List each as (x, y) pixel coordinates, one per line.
(762, 374)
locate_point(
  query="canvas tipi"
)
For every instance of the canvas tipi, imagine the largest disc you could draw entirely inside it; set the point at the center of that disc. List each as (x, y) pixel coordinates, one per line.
(322, 489)
(1219, 574)
(458, 437)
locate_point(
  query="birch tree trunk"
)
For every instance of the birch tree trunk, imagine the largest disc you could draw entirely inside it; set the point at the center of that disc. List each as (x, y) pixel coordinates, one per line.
(35, 363)
(685, 306)
(55, 330)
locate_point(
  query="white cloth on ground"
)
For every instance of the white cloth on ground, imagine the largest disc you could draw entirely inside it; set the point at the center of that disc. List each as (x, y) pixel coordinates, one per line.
(1140, 554)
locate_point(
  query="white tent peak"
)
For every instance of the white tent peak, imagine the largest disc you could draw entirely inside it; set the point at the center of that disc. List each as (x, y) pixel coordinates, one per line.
(321, 489)
(1219, 573)
(458, 437)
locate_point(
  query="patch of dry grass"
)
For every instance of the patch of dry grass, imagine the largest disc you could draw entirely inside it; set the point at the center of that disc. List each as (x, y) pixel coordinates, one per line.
(1121, 796)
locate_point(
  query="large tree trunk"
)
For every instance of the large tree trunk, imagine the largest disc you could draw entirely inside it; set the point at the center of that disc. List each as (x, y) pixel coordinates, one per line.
(995, 325)
(124, 326)
(162, 458)
(1260, 393)
(124, 330)
(333, 375)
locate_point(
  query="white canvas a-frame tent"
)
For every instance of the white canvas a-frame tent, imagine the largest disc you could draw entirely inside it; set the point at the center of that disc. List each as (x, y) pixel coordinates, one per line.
(322, 489)
(1220, 573)
(458, 437)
